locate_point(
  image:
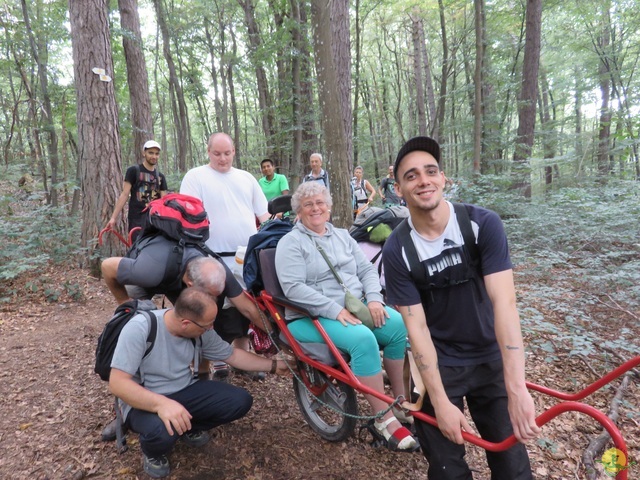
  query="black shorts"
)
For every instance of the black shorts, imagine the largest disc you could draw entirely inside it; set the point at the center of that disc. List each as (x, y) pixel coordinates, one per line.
(231, 324)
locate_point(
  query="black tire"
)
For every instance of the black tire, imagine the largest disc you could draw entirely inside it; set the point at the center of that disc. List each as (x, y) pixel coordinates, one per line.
(324, 412)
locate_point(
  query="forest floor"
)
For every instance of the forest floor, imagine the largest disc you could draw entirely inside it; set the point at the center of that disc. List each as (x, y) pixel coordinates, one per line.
(53, 407)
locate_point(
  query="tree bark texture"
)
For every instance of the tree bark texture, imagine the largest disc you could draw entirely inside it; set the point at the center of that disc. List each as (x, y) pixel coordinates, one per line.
(137, 77)
(418, 70)
(97, 117)
(333, 63)
(264, 95)
(178, 103)
(39, 57)
(527, 100)
(478, 103)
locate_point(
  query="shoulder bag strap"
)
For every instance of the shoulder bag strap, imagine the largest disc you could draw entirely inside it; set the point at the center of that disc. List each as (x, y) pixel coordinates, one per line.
(326, 259)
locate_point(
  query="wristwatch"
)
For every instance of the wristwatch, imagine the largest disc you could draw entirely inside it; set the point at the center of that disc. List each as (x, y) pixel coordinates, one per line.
(274, 366)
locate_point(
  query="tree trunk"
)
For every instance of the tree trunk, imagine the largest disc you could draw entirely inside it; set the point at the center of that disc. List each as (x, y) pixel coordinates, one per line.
(264, 96)
(137, 78)
(444, 74)
(527, 100)
(416, 25)
(232, 97)
(213, 70)
(604, 128)
(97, 118)
(333, 58)
(179, 104)
(478, 103)
(39, 53)
(548, 128)
(296, 43)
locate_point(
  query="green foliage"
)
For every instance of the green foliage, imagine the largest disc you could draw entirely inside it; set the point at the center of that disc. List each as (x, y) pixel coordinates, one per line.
(576, 251)
(33, 240)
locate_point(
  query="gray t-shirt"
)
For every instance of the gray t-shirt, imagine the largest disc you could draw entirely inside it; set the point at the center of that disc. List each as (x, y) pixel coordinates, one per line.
(168, 367)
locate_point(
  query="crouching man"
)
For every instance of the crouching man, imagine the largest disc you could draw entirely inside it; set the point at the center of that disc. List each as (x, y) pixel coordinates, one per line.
(161, 398)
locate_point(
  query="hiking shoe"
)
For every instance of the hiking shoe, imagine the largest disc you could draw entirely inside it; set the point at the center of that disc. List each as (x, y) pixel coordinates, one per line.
(196, 439)
(109, 432)
(156, 467)
(220, 371)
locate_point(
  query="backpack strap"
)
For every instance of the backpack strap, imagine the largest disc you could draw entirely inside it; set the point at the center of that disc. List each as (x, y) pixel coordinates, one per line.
(418, 272)
(174, 265)
(464, 222)
(121, 441)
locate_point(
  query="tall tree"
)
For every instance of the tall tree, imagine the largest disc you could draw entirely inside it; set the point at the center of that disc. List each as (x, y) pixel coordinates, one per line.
(333, 67)
(97, 117)
(528, 96)
(137, 78)
(264, 94)
(178, 102)
(38, 50)
(478, 80)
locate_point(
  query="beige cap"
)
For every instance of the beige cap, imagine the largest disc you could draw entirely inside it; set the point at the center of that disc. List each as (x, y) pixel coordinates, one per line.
(151, 144)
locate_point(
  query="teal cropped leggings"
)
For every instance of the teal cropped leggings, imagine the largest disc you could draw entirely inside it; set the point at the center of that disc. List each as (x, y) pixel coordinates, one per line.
(362, 344)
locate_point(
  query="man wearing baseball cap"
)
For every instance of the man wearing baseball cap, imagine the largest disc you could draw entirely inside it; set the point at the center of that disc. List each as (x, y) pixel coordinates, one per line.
(448, 272)
(145, 183)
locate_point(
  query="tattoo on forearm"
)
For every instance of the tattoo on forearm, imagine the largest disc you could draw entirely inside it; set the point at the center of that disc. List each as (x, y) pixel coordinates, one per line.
(512, 347)
(420, 364)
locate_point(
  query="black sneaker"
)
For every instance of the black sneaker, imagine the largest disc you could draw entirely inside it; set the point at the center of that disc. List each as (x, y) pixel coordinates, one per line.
(196, 439)
(156, 467)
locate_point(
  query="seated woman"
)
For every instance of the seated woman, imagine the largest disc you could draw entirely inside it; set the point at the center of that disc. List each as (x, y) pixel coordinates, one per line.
(306, 278)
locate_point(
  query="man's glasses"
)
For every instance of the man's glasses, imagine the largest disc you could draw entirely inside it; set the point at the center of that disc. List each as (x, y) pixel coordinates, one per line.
(209, 326)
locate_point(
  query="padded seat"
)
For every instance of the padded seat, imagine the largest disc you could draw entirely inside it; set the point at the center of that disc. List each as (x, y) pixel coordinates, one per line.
(317, 351)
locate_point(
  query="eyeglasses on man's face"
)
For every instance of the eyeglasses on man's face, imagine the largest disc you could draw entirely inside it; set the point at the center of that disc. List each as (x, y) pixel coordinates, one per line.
(206, 327)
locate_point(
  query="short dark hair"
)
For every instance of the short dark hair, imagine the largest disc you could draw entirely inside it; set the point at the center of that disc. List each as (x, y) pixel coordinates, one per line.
(267, 160)
(192, 303)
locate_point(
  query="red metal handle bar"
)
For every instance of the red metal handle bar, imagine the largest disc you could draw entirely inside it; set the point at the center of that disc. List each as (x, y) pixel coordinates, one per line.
(120, 237)
(625, 367)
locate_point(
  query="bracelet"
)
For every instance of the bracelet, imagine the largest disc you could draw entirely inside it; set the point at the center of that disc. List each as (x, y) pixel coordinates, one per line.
(274, 366)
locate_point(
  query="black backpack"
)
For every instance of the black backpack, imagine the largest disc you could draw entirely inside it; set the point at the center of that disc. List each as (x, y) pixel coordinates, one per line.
(108, 339)
(378, 226)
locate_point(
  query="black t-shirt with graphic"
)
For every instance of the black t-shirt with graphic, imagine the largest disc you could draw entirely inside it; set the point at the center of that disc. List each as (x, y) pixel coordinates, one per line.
(146, 186)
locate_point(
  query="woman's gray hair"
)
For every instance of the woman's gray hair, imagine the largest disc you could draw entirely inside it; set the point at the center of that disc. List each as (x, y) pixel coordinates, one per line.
(309, 189)
(207, 273)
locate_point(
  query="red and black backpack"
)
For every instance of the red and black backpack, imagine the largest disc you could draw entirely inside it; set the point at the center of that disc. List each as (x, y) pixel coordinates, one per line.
(181, 219)
(178, 217)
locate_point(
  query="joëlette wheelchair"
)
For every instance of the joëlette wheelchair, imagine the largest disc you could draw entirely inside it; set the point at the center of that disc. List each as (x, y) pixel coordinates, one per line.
(325, 387)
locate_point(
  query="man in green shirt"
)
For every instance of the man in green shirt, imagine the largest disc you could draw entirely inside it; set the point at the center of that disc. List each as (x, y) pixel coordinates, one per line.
(272, 184)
